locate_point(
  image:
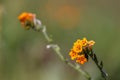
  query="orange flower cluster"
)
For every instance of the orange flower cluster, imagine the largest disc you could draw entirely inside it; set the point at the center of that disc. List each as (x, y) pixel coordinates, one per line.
(26, 19)
(77, 52)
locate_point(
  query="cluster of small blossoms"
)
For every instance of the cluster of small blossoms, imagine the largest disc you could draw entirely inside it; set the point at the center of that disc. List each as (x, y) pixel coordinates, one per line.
(28, 20)
(77, 52)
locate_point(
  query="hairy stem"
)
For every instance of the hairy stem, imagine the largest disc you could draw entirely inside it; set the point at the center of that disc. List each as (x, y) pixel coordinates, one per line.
(104, 74)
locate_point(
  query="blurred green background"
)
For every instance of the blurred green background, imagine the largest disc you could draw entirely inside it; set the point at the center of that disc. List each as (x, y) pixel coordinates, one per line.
(23, 54)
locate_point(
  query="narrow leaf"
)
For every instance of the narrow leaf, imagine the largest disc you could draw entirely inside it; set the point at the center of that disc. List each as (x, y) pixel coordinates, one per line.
(95, 58)
(101, 64)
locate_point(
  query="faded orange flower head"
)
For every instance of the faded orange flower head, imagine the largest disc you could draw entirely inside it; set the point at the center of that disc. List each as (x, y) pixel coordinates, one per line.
(91, 42)
(26, 18)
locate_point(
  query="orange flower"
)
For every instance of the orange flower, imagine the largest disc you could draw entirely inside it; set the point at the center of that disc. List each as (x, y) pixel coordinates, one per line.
(77, 46)
(78, 51)
(84, 41)
(26, 18)
(73, 54)
(78, 42)
(81, 59)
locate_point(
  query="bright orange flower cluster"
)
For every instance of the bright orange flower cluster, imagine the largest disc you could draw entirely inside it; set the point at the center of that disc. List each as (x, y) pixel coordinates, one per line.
(26, 18)
(77, 52)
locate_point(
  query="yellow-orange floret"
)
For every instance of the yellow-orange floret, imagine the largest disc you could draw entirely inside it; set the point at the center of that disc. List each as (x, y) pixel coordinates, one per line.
(84, 41)
(73, 54)
(78, 42)
(81, 59)
(77, 46)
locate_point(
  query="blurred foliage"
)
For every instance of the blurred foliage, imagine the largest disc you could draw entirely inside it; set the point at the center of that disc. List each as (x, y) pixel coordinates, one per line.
(24, 55)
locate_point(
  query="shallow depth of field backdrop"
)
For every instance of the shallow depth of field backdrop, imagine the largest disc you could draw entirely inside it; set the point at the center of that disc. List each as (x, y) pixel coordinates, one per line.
(23, 54)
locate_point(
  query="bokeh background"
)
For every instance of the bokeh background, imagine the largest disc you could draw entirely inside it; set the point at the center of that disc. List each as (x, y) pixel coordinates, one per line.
(23, 54)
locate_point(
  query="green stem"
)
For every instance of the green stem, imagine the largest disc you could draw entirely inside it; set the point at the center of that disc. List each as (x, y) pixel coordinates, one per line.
(45, 34)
